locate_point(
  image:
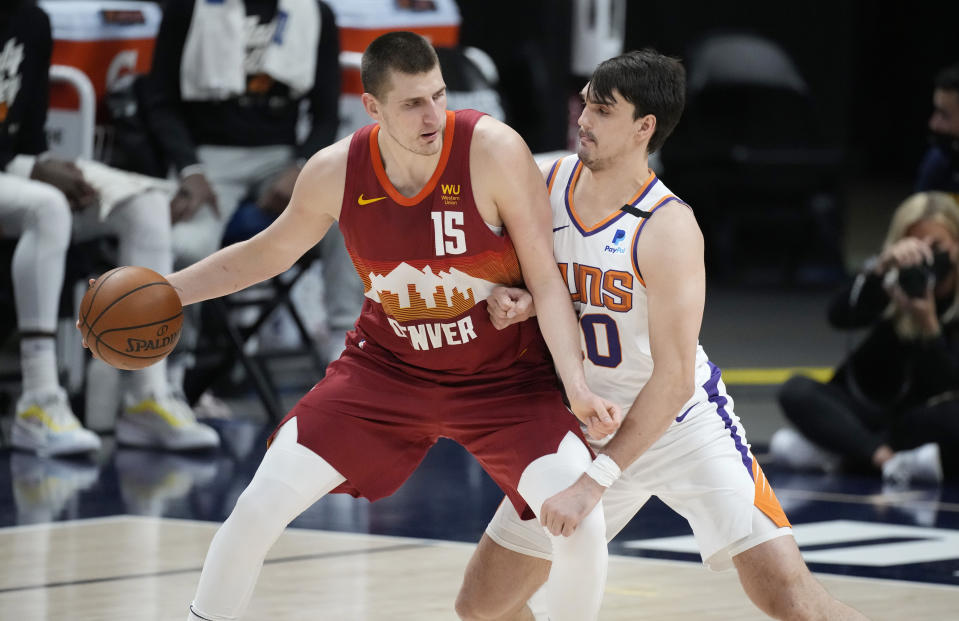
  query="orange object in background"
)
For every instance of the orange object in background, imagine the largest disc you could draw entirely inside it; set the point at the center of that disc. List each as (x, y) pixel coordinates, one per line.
(361, 22)
(355, 39)
(108, 40)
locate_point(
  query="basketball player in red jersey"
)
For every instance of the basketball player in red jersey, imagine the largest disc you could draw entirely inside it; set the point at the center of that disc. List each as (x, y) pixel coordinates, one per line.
(436, 209)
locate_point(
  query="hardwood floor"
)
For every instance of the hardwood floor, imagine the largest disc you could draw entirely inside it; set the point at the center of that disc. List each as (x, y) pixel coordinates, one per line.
(129, 567)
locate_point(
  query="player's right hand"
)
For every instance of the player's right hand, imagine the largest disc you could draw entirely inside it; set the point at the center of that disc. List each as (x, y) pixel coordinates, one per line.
(509, 305)
(600, 416)
(83, 340)
(194, 192)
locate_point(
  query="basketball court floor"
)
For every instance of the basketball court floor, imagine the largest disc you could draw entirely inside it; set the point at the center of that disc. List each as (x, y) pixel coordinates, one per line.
(123, 536)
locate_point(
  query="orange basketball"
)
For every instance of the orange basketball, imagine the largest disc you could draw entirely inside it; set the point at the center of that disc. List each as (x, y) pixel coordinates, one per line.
(131, 317)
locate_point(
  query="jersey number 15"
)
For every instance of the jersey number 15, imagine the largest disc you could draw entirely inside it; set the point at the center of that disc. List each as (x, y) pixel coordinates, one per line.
(448, 235)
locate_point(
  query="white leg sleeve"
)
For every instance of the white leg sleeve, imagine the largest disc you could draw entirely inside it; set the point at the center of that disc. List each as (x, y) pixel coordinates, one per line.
(574, 591)
(290, 479)
(39, 215)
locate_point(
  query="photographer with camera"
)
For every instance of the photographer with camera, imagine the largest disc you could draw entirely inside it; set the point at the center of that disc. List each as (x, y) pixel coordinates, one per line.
(893, 404)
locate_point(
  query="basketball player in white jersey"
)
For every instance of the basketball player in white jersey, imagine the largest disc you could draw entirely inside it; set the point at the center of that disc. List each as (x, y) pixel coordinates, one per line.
(632, 255)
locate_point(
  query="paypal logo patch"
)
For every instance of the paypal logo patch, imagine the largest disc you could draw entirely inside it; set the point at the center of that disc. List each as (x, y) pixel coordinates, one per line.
(618, 243)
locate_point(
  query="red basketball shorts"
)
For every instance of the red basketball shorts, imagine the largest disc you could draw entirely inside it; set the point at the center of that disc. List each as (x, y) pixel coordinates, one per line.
(374, 423)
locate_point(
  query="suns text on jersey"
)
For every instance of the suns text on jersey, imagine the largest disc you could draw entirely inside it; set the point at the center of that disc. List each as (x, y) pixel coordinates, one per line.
(612, 289)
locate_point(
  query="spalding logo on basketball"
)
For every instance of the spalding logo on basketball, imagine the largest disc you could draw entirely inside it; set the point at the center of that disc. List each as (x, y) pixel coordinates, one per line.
(131, 317)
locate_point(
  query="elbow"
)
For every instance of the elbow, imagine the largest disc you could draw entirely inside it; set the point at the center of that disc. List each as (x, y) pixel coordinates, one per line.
(680, 383)
(685, 389)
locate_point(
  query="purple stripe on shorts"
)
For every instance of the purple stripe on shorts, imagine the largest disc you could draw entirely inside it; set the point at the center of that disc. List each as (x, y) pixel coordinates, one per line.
(712, 391)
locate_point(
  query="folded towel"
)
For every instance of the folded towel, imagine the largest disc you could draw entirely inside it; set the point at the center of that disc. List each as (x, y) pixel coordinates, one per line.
(115, 186)
(213, 66)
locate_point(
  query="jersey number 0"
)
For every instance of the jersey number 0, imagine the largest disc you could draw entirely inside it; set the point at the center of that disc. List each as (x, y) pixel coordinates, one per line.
(596, 326)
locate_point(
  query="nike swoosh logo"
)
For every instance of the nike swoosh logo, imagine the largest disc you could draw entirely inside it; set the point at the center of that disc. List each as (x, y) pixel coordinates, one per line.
(367, 201)
(682, 416)
(559, 228)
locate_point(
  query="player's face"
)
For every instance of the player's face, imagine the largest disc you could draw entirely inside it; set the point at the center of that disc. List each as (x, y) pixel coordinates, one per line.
(413, 111)
(607, 131)
(945, 112)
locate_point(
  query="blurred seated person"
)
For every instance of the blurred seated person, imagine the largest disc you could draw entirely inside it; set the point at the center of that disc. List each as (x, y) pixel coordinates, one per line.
(939, 169)
(224, 98)
(43, 202)
(893, 404)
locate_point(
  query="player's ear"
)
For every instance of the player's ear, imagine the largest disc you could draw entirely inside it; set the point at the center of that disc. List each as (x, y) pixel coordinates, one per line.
(371, 105)
(645, 128)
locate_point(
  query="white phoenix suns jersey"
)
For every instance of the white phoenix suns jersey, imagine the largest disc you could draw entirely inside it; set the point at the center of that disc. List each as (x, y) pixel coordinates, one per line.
(599, 266)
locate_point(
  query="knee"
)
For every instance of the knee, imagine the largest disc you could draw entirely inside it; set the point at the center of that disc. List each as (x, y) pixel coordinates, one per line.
(793, 597)
(587, 541)
(256, 518)
(50, 217)
(794, 395)
(469, 607)
(474, 606)
(790, 604)
(145, 218)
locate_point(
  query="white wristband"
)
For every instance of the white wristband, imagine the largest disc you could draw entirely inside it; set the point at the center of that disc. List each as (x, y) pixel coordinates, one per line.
(604, 470)
(192, 169)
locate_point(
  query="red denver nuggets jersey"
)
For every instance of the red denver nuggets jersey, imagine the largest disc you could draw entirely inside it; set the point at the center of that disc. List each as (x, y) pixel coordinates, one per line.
(428, 263)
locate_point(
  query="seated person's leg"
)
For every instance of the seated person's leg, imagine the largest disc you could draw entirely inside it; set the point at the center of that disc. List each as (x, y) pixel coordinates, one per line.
(40, 216)
(200, 235)
(833, 419)
(342, 291)
(154, 413)
(193, 240)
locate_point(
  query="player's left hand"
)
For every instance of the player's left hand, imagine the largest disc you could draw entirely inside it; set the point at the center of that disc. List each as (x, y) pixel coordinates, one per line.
(600, 416)
(562, 513)
(509, 305)
(279, 192)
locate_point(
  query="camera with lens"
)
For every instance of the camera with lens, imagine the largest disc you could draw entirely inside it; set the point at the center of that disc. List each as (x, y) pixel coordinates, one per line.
(915, 279)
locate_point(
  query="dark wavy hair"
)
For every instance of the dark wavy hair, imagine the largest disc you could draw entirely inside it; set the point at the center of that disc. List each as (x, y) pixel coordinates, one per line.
(654, 83)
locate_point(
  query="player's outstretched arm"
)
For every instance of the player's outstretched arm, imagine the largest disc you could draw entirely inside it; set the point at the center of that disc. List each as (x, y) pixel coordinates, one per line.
(671, 259)
(503, 166)
(314, 206)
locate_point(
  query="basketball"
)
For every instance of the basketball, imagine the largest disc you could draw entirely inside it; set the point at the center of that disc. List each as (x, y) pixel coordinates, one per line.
(131, 317)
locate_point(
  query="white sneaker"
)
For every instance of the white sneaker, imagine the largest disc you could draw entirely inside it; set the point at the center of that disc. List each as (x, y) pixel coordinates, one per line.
(46, 425)
(918, 465)
(793, 450)
(163, 421)
(211, 406)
